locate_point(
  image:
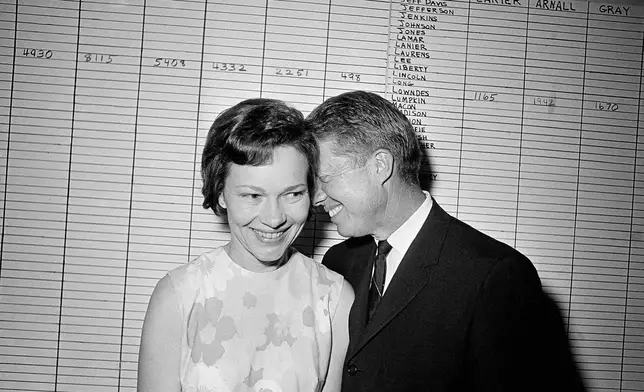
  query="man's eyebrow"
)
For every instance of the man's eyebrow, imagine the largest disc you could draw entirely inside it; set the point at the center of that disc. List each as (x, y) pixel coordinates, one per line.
(324, 176)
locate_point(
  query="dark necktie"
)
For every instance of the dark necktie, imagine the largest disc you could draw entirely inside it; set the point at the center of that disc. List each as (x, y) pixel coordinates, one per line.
(377, 286)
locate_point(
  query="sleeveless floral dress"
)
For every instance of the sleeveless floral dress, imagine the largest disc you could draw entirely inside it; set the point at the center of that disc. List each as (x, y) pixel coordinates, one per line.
(245, 331)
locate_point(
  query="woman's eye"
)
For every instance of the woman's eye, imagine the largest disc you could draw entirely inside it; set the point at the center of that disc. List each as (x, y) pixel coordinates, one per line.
(251, 196)
(295, 195)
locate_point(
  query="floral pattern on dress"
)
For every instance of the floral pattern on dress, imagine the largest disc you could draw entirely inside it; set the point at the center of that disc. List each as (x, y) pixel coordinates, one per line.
(207, 330)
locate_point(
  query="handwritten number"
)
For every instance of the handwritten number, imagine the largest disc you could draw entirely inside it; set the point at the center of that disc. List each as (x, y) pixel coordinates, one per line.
(229, 67)
(354, 77)
(37, 53)
(169, 62)
(291, 72)
(98, 58)
(543, 101)
(484, 96)
(606, 106)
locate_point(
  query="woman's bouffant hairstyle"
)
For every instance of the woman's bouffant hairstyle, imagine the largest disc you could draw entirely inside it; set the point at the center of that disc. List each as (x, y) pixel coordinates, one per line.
(247, 134)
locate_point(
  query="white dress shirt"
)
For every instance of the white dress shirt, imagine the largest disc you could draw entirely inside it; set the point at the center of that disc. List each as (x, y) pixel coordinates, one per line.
(401, 239)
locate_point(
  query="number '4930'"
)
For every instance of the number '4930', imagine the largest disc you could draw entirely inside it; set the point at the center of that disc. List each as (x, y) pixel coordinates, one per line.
(37, 53)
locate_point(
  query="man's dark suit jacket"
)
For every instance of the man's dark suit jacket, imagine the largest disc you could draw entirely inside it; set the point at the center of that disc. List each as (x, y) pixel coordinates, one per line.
(463, 312)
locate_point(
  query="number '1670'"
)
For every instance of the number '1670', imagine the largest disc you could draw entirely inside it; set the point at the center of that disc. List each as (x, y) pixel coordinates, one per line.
(606, 106)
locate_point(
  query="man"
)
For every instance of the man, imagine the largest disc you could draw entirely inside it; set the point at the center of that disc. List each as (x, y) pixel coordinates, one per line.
(444, 307)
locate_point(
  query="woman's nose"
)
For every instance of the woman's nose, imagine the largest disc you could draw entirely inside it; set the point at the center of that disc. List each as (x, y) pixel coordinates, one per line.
(273, 214)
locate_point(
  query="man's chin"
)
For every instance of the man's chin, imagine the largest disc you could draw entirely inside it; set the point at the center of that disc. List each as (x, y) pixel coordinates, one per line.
(347, 232)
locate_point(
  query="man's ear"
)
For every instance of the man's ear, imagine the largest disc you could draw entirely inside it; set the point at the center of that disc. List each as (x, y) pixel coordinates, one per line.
(384, 165)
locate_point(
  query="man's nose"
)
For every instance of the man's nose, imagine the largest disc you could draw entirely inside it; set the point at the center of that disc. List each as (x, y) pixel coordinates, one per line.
(319, 197)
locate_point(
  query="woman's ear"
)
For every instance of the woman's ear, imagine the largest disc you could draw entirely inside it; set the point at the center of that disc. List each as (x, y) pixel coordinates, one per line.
(221, 201)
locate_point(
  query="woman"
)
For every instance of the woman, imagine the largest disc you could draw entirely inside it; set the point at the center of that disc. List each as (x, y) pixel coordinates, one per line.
(254, 314)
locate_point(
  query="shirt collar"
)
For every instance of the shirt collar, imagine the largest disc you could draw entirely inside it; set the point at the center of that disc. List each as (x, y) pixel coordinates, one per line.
(401, 239)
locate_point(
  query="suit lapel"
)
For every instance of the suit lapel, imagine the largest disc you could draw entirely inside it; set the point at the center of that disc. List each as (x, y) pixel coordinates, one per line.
(412, 275)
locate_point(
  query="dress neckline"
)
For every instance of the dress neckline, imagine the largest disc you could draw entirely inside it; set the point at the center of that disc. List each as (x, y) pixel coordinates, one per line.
(276, 273)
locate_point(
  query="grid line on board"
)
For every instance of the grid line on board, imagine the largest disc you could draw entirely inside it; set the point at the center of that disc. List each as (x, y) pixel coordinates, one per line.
(460, 143)
(6, 159)
(261, 79)
(66, 224)
(574, 232)
(131, 194)
(518, 195)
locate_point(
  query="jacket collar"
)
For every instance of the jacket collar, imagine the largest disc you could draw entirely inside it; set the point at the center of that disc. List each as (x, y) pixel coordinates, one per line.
(412, 275)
